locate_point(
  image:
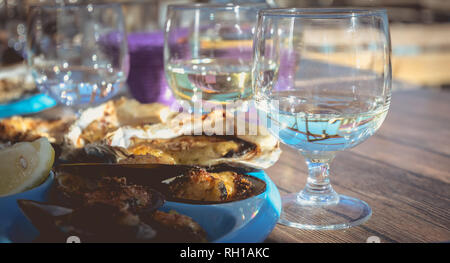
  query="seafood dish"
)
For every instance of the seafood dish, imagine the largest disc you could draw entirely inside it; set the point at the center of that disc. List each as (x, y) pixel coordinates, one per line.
(100, 222)
(95, 123)
(199, 184)
(102, 203)
(130, 132)
(181, 183)
(172, 138)
(131, 172)
(20, 129)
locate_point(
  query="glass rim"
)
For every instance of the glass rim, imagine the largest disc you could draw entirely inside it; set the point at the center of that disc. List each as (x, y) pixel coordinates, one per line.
(72, 5)
(225, 7)
(322, 13)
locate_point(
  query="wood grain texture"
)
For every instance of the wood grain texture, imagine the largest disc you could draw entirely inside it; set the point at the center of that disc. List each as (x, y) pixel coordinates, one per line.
(402, 172)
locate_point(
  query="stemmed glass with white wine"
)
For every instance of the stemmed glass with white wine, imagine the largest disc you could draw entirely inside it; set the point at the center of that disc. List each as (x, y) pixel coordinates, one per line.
(330, 91)
(208, 54)
(77, 53)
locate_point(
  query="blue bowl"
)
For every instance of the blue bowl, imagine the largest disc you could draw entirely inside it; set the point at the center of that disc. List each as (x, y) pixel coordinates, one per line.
(245, 221)
(14, 226)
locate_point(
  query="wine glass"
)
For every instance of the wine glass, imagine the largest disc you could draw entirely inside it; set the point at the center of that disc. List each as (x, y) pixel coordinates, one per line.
(330, 91)
(77, 53)
(208, 54)
(12, 30)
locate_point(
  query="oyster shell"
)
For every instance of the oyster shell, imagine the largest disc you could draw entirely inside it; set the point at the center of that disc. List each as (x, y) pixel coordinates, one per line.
(94, 123)
(249, 145)
(263, 151)
(18, 129)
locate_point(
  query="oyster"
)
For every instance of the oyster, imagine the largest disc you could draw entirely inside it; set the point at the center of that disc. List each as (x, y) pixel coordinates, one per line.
(19, 129)
(219, 140)
(198, 184)
(94, 123)
(177, 138)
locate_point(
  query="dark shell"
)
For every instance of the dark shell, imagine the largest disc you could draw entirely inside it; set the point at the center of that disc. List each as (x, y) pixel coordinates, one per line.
(93, 153)
(74, 190)
(94, 223)
(106, 224)
(68, 214)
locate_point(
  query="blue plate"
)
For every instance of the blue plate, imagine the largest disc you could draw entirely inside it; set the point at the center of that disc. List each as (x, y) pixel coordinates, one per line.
(246, 221)
(29, 105)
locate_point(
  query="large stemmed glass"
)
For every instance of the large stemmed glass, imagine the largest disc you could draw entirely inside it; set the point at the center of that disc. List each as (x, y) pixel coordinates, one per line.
(330, 91)
(77, 53)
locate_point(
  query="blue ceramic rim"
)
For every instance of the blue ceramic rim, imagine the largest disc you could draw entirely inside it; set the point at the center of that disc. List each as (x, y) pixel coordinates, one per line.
(45, 184)
(272, 199)
(11, 201)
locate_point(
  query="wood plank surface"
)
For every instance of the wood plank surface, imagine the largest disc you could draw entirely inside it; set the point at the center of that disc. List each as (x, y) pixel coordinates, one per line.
(402, 172)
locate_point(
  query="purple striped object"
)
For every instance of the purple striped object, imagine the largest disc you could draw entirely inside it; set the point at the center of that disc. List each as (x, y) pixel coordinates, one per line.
(146, 80)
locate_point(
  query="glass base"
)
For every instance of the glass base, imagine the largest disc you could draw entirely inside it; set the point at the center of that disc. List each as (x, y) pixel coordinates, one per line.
(343, 213)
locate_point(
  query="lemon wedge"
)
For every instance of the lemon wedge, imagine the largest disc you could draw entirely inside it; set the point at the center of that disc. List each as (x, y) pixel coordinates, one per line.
(25, 165)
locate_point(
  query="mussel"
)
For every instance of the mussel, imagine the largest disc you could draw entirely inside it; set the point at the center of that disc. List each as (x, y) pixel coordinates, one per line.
(93, 153)
(105, 223)
(121, 202)
(98, 222)
(229, 183)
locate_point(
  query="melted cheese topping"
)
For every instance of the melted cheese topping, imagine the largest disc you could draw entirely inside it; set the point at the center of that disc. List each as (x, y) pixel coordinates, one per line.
(188, 149)
(227, 178)
(202, 185)
(17, 129)
(96, 131)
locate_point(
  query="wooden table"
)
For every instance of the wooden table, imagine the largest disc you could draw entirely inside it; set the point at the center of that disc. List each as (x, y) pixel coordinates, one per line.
(402, 172)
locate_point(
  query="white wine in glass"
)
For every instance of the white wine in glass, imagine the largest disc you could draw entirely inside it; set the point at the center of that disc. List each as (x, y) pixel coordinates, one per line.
(208, 52)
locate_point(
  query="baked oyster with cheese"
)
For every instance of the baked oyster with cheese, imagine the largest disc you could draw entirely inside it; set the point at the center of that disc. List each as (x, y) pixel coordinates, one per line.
(20, 129)
(96, 122)
(164, 136)
(200, 185)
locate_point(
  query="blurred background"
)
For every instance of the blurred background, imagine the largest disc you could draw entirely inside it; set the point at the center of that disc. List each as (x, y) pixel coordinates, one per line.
(420, 31)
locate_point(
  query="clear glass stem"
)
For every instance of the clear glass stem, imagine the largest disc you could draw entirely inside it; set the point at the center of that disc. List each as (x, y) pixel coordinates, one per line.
(318, 190)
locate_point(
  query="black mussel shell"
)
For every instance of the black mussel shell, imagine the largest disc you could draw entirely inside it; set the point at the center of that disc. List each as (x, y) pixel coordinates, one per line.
(74, 190)
(93, 223)
(93, 153)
